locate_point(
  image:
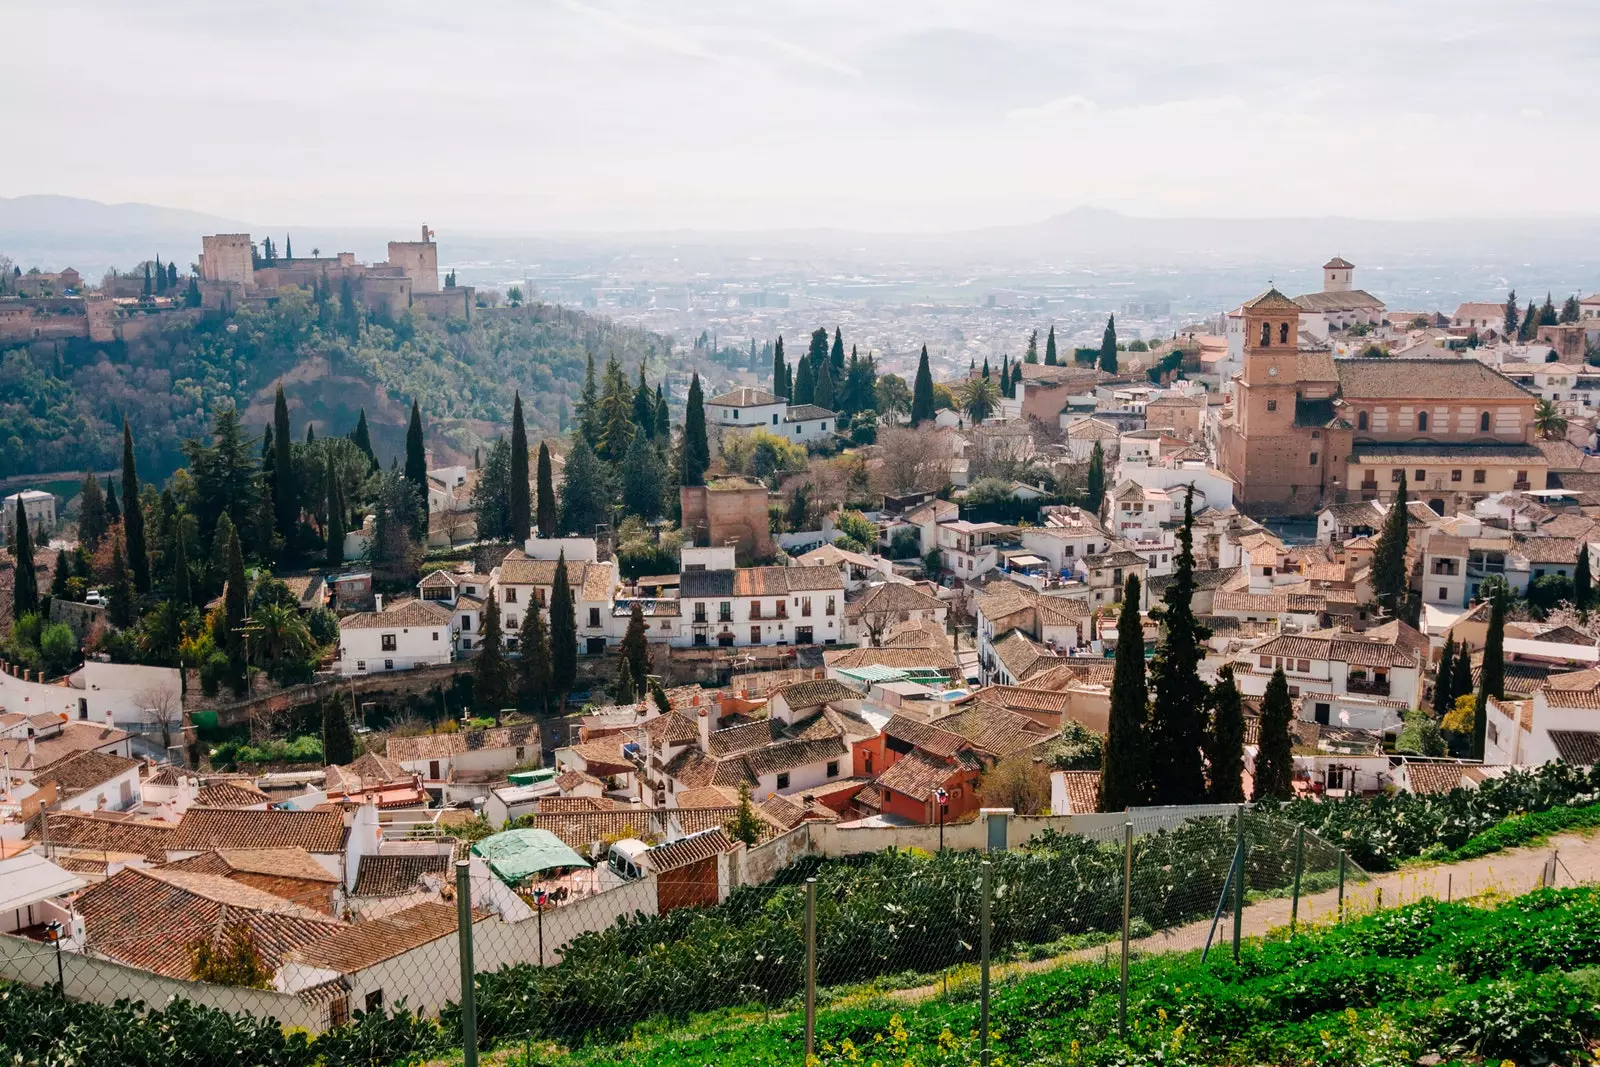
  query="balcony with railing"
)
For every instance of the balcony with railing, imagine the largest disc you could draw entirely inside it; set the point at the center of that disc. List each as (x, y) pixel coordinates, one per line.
(1368, 684)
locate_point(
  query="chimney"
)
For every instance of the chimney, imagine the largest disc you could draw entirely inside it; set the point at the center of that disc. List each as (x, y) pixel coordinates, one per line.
(377, 601)
(702, 720)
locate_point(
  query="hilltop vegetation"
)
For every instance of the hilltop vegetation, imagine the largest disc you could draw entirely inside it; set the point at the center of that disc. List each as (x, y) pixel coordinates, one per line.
(62, 404)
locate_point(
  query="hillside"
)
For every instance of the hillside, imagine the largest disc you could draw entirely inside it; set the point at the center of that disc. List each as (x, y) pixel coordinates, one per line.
(62, 403)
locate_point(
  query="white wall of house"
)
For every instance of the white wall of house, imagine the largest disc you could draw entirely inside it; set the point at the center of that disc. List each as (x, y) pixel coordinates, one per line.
(114, 794)
(808, 430)
(750, 617)
(374, 649)
(757, 417)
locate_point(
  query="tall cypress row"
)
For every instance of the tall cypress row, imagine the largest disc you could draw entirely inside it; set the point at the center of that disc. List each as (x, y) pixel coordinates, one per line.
(133, 517)
(1125, 767)
(521, 511)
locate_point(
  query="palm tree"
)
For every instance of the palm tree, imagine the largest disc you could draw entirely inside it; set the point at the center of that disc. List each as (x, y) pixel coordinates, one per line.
(979, 397)
(280, 635)
(1550, 423)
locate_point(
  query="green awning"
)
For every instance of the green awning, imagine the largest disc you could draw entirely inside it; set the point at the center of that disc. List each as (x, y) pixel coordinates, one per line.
(515, 855)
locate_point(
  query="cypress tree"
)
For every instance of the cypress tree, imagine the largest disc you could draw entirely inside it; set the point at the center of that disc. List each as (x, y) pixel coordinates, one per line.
(336, 516)
(217, 566)
(823, 396)
(1547, 313)
(491, 674)
(338, 742)
(563, 634)
(1177, 724)
(658, 696)
(1226, 740)
(1513, 317)
(985, 371)
(113, 512)
(1094, 483)
(182, 589)
(663, 430)
(635, 648)
(25, 588)
(644, 406)
(1032, 355)
(533, 670)
(836, 355)
(696, 447)
(1125, 764)
(363, 439)
(1005, 377)
(349, 313)
(59, 575)
(147, 286)
(191, 297)
(588, 412)
(641, 479)
(416, 455)
(92, 518)
(1491, 676)
(622, 692)
(805, 384)
(133, 517)
(1275, 751)
(922, 391)
(780, 384)
(1444, 680)
(119, 606)
(1461, 679)
(521, 509)
(235, 601)
(1582, 580)
(547, 494)
(1389, 578)
(1050, 348)
(311, 435)
(1108, 346)
(285, 493)
(585, 493)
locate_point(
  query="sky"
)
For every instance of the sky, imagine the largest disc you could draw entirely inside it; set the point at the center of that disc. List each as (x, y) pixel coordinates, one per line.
(890, 115)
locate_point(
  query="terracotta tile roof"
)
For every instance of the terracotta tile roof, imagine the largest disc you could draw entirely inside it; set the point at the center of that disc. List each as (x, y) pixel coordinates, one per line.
(1434, 777)
(811, 694)
(708, 796)
(581, 829)
(405, 613)
(551, 805)
(927, 737)
(75, 737)
(395, 875)
(84, 771)
(1405, 379)
(890, 598)
(1578, 747)
(108, 833)
(1559, 550)
(1023, 657)
(369, 771)
(1083, 791)
(599, 582)
(899, 658)
(1273, 603)
(357, 947)
(443, 746)
(694, 820)
(993, 729)
(278, 862)
(745, 396)
(917, 774)
(1026, 697)
(1390, 645)
(603, 756)
(686, 850)
(238, 793)
(203, 829)
(570, 780)
(151, 918)
(786, 755)
(778, 581)
(673, 728)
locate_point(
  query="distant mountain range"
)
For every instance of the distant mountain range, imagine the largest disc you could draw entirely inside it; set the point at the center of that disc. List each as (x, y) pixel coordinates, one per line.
(55, 231)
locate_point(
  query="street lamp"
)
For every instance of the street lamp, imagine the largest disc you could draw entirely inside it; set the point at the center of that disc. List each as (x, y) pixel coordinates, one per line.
(540, 895)
(52, 931)
(943, 799)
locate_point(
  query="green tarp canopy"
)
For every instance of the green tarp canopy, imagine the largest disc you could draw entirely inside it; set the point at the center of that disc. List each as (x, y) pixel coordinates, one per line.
(518, 854)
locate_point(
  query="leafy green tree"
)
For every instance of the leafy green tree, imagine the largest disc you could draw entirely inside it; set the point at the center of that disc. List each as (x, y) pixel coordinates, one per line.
(25, 584)
(547, 494)
(586, 492)
(744, 824)
(58, 647)
(1530, 323)
(92, 521)
(1389, 574)
(695, 447)
(416, 455)
(1177, 723)
(230, 957)
(1077, 749)
(1443, 696)
(1125, 778)
(658, 696)
(1513, 316)
(396, 550)
(859, 534)
(892, 397)
(1225, 740)
(1108, 346)
(224, 473)
(642, 476)
(1094, 483)
(491, 674)
(1050, 348)
(1419, 735)
(979, 398)
(533, 669)
(922, 405)
(363, 439)
(1547, 313)
(1275, 752)
(518, 504)
(563, 633)
(133, 519)
(1032, 355)
(285, 492)
(338, 740)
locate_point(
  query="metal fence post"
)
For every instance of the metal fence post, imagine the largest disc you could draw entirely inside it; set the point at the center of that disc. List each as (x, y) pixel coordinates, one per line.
(811, 968)
(987, 869)
(1299, 866)
(1238, 884)
(1127, 910)
(1342, 855)
(469, 997)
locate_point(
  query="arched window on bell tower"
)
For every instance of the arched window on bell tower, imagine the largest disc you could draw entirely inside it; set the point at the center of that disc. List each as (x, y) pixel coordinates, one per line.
(1266, 334)
(1283, 333)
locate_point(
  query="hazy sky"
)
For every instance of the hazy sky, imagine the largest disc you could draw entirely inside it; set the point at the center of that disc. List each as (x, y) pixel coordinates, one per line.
(878, 114)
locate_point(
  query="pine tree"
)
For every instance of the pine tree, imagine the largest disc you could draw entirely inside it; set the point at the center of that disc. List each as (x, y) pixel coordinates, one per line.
(1389, 575)
(1570, 311)
(338, 742)
(588, 409)
(336, 516)
(119, 605)
(133, 518)
(1125, 768)
(644, 406)
(25, 587)
(1582, 580)
(635, 648)
(416, 455)
(744, 825)
(616, 406)
(1275, 751)
(533, 669)
(491, 497)
(1032, 355)
(1547, 313)
(264, 540)
(563, 634)
(1512, 316)
(1177, 725)
(216, 573)
(1225, 740)
(922, 392)
(547, 494)
(1444, 679)
(521, 513)
(585, 492)
(696, 448)
(642, 476)
(1530, 323)
(59, 575)
(1094, 483)
(363, 439)
(780, 385)
(805, 384)
(1491, 676)
(1050, 358)
(491, 674)
(1108, 346)
(285, 493)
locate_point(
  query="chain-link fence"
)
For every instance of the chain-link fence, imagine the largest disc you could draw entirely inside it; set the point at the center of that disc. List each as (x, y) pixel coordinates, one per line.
(594, 957)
